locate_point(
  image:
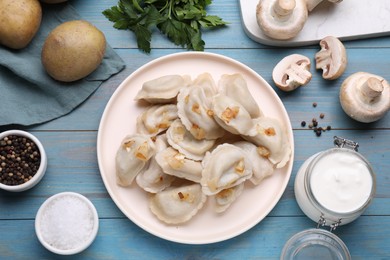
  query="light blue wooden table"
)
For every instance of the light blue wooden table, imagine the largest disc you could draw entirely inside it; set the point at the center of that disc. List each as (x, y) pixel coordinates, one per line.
(70, 143)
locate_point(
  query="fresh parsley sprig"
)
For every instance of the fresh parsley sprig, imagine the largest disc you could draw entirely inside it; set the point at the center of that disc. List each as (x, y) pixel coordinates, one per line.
(180, 20)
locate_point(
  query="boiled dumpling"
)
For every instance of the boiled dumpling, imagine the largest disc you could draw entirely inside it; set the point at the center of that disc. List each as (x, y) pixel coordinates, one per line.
(132, 156)
(176, 205)
(156, 119)
(194, 108)
(261, 166)
(152, 178)
(226, 166)
(163, 89)
(183, 141)
(175, 163)
(231, 115)
(270, 136)
(235, 87)
(226, 197)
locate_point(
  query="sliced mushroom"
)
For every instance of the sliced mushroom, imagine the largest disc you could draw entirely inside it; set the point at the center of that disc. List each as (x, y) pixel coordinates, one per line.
(291, 72)
(332, 58)
(281, 19)
(311, 4)
(365, 97)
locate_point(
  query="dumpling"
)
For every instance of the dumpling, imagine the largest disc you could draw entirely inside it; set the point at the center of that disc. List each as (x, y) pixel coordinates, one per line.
(226, 197)
(132, 156)
(152, 178)
(231, 115)
(271, 137)
(175, 163)
(194, 108)
(183, 141)
(156, 119)
(163, 89)
(226, 166)
(177, 205)
(235, 87)
(261, 166)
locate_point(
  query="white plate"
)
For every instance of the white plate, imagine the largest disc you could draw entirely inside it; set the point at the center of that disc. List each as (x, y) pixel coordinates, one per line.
(348, 20)
(119, 120)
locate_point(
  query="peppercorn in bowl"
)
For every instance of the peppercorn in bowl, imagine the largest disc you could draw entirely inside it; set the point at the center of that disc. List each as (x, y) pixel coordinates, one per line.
(23, 160)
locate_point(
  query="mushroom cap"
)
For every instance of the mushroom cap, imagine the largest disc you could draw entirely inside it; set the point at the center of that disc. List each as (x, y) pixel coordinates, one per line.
(277, 27)
(292, 72)
(358, 104)
(332, 58)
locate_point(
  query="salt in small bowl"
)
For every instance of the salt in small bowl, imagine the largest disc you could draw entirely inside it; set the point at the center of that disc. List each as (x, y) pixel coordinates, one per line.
(66, 223)
(42, 166)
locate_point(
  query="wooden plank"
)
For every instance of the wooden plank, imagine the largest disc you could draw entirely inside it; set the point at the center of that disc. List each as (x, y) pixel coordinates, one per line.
(232, 36)
(120, 239)
(298, 103)
(72, 166)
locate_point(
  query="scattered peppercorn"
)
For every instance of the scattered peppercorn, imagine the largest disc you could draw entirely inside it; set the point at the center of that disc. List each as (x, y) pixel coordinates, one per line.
(19, 159)
(314, 124)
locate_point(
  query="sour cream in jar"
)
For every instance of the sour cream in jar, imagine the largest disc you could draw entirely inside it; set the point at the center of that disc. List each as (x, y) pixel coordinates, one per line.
(335, 186)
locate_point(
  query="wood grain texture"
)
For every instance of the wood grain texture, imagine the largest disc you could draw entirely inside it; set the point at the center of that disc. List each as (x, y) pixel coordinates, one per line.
(70, 143)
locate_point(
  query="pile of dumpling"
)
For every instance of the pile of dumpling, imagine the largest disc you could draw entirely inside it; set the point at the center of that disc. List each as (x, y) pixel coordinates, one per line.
(198, 140)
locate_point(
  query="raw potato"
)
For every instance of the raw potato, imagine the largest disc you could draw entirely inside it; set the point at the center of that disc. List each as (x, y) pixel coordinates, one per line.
(19, 22)
(73, 50)
(53, 1)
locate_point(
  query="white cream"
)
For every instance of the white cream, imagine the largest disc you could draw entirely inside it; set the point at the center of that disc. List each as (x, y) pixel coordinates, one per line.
(341, 182)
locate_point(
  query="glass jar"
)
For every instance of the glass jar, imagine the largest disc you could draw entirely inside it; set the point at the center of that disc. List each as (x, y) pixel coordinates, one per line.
(316, 244)
(332, 188)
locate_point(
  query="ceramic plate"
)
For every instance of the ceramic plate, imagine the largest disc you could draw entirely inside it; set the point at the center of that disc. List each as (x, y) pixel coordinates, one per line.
(347, 20)
(119, 119)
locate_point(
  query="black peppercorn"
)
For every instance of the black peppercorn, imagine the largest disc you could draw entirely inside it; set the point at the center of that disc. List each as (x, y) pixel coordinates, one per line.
(20, 159)
(303, 123)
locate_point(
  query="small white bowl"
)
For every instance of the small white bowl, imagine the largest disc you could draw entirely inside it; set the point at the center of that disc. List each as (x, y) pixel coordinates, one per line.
(66, 223)
(42, 167)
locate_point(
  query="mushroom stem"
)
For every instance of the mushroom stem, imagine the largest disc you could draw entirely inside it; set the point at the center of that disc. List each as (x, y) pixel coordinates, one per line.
(371, 89)
(311, 4)
(284, 8)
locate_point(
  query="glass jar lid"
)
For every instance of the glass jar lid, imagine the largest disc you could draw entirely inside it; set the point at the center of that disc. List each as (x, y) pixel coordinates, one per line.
(315, 244)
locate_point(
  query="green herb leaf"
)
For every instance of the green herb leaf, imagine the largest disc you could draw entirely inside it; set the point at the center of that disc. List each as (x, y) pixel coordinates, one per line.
(211, 21)
(180, 20)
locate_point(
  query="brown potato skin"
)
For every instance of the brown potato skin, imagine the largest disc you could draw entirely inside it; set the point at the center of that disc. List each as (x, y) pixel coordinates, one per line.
(73, 50)
(19, 22)
(53, 1)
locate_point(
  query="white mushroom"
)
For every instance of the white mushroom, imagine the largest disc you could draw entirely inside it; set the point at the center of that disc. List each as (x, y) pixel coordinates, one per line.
(332, 58)
(291, 72)
(281, 19)
(365, 97)
(311, 4)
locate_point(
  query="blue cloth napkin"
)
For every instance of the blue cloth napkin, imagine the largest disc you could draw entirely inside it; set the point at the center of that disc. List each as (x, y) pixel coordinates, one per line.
(28, 95)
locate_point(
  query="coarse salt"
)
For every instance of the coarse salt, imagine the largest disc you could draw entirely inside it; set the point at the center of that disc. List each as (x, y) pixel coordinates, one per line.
(67, 222)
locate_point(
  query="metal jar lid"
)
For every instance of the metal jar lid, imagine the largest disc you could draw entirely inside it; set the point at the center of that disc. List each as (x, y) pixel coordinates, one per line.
(315, 244)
